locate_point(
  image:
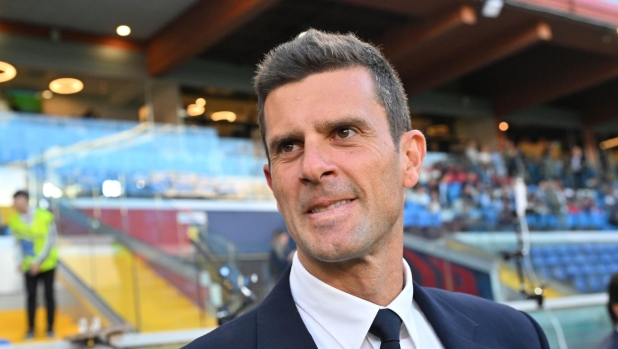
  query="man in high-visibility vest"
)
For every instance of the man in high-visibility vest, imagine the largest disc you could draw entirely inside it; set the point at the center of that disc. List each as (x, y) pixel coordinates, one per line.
(36, 233)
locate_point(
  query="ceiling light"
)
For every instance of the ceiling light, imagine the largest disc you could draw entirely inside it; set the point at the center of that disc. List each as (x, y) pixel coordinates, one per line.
(195, 110)
(47, 94)
(492, 8)
(200, 102)
(66, 86)
(123, 30)
(7, 72)
(223, 115)
(503, 126)
(608, 144)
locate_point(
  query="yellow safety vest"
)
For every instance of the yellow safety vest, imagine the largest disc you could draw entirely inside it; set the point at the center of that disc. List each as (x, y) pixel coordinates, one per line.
(33, 239)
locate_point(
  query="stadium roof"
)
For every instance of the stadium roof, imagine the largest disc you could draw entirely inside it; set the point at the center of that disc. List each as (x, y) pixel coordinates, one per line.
(559, 52)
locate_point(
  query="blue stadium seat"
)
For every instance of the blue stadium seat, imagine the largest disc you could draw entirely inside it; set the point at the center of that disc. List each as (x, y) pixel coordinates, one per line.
(598, 220)
(595, 284)
(572, 221)
(436, 220)
(580, 284)
(573, 270)
(533, 221)
(410, 218)
(424, 219)
(584, 220)
(454, 191)
(559, 273)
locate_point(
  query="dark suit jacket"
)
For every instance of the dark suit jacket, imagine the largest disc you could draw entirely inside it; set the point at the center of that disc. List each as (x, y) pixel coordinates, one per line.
(460, 321)
(611, 342)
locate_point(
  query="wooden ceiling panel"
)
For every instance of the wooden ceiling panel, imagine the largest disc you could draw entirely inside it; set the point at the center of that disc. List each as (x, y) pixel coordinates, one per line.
(552, 80)
(198, 29)
(457, 42)
(400, 42)
(409, 7)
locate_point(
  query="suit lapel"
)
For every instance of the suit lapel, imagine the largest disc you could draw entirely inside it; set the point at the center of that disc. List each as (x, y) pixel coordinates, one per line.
(279, 324)
(455, 330)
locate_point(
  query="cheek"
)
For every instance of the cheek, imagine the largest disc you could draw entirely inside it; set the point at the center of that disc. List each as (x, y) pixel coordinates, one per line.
(283, 183)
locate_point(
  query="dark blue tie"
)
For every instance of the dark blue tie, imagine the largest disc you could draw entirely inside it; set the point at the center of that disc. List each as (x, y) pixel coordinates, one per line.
(386, 326)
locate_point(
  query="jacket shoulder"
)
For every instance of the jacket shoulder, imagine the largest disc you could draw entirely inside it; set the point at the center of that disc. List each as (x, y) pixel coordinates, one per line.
(496, 322)
(238, 333)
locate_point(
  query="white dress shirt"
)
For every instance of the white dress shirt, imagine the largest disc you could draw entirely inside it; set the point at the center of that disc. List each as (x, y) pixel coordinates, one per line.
(336, 319)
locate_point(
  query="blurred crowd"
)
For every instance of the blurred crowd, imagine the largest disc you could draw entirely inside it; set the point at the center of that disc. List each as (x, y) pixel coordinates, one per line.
(474, 192)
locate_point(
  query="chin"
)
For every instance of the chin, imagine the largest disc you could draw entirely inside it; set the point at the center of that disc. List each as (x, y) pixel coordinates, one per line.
(330, 253)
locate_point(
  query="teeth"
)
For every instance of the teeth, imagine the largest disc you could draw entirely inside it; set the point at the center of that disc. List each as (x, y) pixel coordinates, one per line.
(329, 207)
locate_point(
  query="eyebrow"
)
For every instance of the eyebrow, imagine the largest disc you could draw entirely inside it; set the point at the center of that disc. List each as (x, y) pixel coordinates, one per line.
(278, 140)
(329, 125)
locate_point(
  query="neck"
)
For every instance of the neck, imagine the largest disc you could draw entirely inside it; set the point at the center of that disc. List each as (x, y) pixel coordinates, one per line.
(377, 277)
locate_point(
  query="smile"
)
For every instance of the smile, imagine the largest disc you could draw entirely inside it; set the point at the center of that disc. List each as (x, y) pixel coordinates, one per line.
(329, 207)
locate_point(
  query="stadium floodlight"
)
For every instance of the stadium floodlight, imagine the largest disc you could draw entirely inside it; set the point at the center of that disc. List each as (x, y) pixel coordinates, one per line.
(111, 188)
(7, 72)
(123, 30)
(492, 8)
(66, 86)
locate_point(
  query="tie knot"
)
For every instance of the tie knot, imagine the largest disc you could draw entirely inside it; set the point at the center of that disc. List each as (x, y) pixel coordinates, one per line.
(386, 326)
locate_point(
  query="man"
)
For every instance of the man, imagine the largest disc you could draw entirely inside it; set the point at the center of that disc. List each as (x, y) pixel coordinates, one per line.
(611, 342)
(336, 127)
(36, 233)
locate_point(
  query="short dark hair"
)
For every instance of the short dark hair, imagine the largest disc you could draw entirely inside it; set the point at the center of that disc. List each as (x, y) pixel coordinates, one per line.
(612, 292)
(21, 193)
(319, 52)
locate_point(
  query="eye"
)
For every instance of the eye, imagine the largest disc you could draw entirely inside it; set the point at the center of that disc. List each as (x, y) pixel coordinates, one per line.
(345, 132)
(288, 147)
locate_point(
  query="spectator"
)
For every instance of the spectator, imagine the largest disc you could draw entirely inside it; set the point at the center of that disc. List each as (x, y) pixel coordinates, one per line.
(498, 162)
(577, 167)
(484, 157)
(514, 161)
(281, 254)
(472, 152)
(434, 205)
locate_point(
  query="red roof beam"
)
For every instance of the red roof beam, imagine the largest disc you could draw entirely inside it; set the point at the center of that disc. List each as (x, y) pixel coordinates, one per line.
(399, 43)
(474, 58)
(198, 29)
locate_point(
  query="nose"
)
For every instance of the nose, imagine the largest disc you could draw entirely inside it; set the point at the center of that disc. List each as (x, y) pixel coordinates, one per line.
(316, 162)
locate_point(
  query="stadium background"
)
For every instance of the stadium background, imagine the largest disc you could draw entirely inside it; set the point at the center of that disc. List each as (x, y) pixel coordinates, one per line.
(153, 165)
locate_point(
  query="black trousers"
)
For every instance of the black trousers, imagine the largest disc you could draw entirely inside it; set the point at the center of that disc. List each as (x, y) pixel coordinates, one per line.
(31, 285)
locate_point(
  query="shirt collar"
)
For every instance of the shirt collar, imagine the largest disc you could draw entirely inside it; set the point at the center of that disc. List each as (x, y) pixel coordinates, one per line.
(345, 317)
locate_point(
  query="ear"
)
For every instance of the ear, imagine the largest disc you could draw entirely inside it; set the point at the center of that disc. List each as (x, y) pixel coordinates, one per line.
(269, 180)
(615, 308)
(412, 149)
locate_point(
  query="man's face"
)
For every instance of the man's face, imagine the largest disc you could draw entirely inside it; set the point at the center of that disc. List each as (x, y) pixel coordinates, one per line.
(334, 169)
(21, 204)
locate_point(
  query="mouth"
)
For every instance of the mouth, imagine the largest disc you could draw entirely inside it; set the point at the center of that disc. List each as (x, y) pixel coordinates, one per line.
(326, 207)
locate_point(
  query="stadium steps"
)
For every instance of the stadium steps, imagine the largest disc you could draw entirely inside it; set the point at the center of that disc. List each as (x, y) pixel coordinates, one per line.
(13, 325)
(134, 290)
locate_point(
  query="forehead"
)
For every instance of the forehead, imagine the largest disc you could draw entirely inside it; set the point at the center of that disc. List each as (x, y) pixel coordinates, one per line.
(345, 92)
